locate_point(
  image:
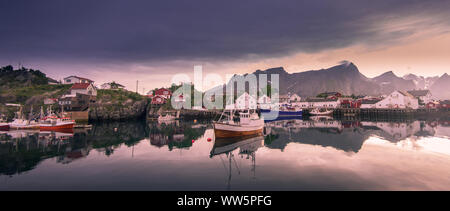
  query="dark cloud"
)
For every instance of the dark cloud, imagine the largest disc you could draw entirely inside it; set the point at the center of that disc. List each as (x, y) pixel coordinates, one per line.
(136, 31)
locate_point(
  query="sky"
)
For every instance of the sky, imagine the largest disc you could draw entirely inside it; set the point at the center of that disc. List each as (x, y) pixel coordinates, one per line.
(150, 41)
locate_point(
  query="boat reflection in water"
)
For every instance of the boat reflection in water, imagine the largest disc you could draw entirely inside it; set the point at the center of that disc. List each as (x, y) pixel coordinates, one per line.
(248, 145)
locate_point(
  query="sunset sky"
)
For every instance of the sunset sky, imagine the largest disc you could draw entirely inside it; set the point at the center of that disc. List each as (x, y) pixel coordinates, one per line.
(150, 41)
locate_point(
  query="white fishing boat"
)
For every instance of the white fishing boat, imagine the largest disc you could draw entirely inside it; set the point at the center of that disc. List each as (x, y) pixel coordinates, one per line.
(248, 124)
(20, 122)
(319, 112)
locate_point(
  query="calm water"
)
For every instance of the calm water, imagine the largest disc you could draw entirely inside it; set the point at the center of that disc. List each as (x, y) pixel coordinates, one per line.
(321, 154)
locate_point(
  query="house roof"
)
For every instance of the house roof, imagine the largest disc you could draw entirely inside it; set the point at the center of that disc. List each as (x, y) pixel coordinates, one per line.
(370, 101)
(79, 78)
(114, 83)
(418, 93)
(445, 102)
(406, 94)
(330, 93)
(320, 100)
(80, 85)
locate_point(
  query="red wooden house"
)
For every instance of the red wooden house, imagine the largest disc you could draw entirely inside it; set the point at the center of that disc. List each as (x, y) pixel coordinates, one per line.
(163, 92)
(158, 100)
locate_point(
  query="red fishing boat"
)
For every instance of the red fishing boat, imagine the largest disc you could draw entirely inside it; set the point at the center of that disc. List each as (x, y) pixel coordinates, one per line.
(55, 123)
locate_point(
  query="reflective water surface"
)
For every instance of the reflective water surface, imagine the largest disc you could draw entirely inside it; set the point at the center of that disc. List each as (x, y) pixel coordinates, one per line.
(318, 154)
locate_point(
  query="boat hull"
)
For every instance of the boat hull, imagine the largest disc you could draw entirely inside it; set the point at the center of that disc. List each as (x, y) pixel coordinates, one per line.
(4, 127)
(327, 113)
(24, 127)
(284, 113)
(62, 126)
(231, 131)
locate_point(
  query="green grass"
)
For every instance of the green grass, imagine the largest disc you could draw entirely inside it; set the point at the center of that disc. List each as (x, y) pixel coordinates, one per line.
(118, 96)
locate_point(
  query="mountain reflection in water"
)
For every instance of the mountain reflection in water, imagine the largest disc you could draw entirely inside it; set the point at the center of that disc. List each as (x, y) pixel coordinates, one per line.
(317, 154)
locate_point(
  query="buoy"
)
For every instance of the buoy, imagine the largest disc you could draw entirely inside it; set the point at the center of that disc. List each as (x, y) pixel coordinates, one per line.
(115, 129)
(209, 139)
(193, 140)
(195, 121)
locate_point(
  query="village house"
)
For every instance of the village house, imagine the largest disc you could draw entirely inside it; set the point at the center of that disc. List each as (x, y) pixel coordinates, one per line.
(245, 101)
(346, 102)
(52, 81)
(76, 79)
(318, 103)
(399, 99)
(163, 92)
(433, 105)
(445, 104)
(424, 96)
(112, 85)
(77, 102)
(50, 101)
(264, 102)
(83, 88)
(294, 98)
(283, 99)
(289, 98)
(158, 100)
(369, 103)
(333, 95)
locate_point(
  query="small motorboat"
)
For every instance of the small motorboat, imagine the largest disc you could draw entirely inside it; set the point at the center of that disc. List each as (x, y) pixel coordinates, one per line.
(319, 112)
(248, 124)
(166, 117)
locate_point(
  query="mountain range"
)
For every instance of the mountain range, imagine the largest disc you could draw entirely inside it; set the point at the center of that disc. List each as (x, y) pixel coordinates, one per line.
(347, 79)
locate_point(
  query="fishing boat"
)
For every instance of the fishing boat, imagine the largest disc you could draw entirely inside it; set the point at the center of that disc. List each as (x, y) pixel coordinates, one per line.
(4, 126)
(248, 124)
(285, 111)
(52, 122)
(20, 122)
(55, 123)
(319, 112)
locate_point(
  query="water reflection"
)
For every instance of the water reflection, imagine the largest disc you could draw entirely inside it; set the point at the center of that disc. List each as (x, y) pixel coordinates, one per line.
(302, 152)
(247, 148)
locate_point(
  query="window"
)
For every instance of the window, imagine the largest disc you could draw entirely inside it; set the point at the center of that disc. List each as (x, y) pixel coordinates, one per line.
(68, 81)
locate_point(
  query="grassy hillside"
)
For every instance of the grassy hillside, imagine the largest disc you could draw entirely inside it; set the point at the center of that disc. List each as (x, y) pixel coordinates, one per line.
(27, 87)
(117, 96)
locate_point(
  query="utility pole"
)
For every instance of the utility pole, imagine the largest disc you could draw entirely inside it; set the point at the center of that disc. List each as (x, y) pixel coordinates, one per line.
(137, 85)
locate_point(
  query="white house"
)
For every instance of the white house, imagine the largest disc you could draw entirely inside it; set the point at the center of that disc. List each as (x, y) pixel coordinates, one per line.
(76, 79)
(264, 102)
(245, 101)
(294, 98)
(112, 85)
(369, 103)
(423, 95)
(83, 88)
(398, 99)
